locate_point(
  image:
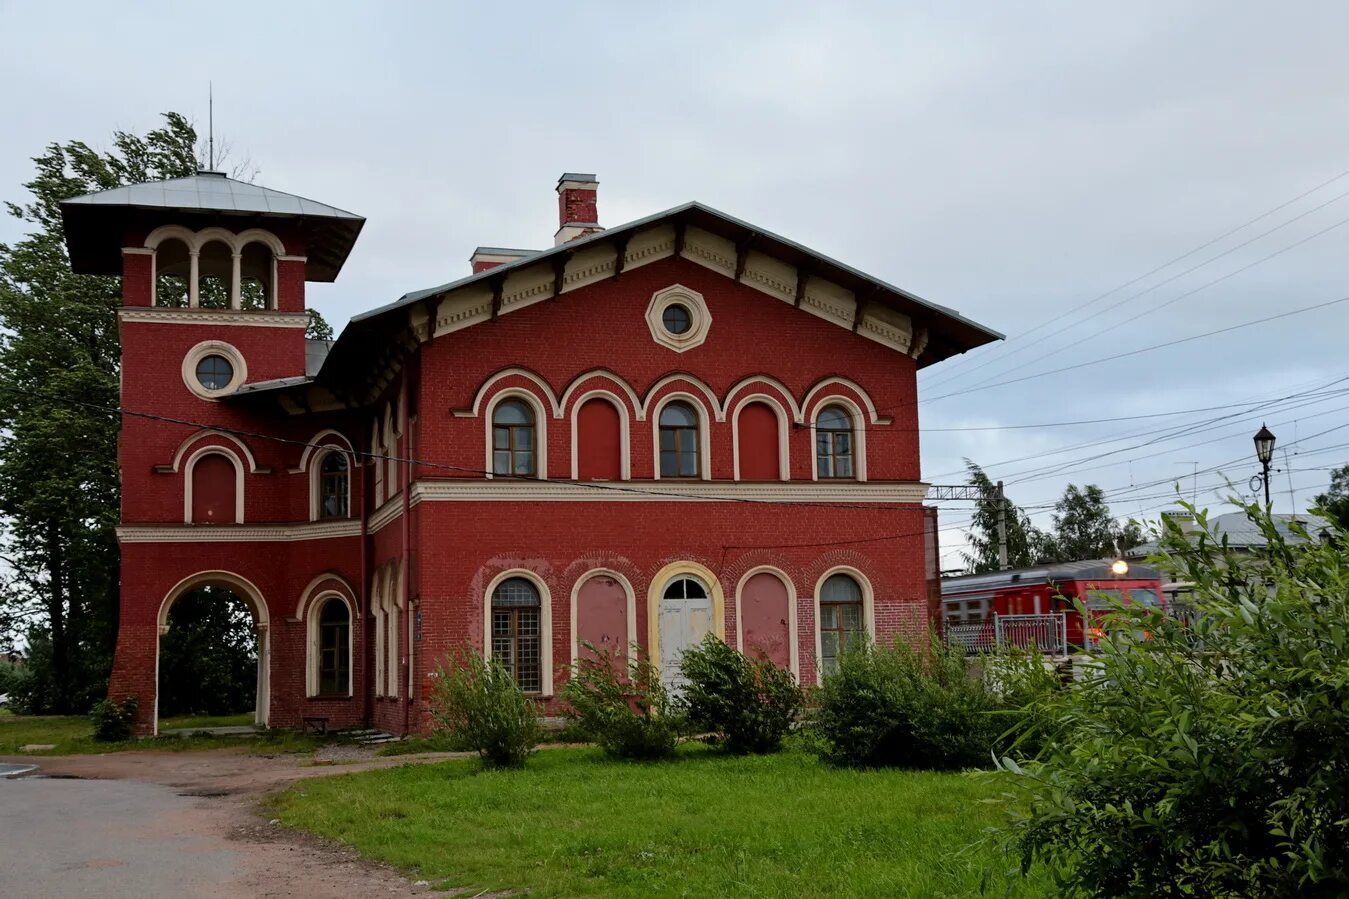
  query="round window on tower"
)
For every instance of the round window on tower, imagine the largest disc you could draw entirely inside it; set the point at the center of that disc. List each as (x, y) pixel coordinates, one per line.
(213, 368)
(214, 372)
(676, 319)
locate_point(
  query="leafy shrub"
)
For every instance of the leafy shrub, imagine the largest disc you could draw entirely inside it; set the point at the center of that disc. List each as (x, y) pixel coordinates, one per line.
(902, 707)
(477, 704)
(113, 719)
(1209, 758)
(1023, 688)
(633, 718)
(751, 703)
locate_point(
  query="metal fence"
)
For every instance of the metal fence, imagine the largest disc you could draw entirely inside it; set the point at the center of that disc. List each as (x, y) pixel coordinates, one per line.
(1046, 633)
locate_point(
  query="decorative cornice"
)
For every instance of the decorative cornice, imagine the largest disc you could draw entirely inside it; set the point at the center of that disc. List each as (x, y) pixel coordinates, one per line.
(465, 490)
(166, 316)
(238, 533)
(388, 512)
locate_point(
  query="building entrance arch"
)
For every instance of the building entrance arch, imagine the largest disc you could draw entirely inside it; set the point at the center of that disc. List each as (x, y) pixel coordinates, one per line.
(247, 592)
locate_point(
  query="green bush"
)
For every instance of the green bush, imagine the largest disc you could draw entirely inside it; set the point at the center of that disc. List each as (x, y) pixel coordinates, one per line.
(1208, 758)
(909, 708)
(476, 703)
(632, 718)
(113, 720)
(750, 703)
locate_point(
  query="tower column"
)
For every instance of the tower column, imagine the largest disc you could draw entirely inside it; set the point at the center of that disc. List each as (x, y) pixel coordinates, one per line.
(192, 278)
(236, 282)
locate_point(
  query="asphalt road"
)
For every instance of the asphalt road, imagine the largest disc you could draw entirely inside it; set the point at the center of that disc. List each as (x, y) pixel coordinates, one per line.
(107, 838)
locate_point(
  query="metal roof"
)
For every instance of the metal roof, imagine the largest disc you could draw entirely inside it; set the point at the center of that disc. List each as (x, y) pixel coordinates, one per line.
(94, 222)
(1242, 533)
(950, 333)
(1090, 570)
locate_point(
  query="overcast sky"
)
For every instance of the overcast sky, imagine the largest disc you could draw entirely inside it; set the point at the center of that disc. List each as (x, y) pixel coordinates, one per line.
(1013, 161)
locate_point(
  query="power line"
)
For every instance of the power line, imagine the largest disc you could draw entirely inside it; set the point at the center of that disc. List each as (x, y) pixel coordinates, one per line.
(1147, 349)
(1266, 214)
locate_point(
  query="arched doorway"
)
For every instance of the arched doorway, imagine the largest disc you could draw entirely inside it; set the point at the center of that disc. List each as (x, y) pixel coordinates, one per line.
(213, 654)
(685, 604)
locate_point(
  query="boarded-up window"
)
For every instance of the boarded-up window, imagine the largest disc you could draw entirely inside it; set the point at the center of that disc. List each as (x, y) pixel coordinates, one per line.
(765, 609)
(601, 617)
(598, 441)
(213, 490)
(757, 433)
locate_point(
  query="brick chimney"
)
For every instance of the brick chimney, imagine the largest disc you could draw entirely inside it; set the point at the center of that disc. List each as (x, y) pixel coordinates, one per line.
(484, 258)
(578, 214)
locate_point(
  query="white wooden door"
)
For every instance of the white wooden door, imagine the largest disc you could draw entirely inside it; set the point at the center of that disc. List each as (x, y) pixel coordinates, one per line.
(685, 618)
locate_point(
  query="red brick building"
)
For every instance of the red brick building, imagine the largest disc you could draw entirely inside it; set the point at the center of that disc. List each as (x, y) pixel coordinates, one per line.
(644, 433)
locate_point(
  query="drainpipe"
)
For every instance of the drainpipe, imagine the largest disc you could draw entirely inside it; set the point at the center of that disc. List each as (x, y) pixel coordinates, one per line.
(406, 470)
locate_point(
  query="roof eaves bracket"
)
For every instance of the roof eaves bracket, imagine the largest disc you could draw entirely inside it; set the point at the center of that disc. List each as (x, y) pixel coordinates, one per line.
(742, 254)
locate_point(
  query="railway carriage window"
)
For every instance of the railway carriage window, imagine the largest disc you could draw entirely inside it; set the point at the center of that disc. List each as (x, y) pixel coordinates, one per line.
(1109, 597)
(333, 486)
(515, 632)
(834, 443)
(840, 619)
(678, 441)
(513, 439)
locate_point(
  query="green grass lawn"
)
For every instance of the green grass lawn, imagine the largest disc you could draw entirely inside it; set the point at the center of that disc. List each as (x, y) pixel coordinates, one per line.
(72, 734)
(242, 719)
(576, 824)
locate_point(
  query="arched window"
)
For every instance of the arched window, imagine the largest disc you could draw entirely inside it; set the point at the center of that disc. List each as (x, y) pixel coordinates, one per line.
(679, 441)
(333, 486)
(255, 277)
(334, 648)
(834, 443)
(513, 439)
(173, 267)
(214, 484)
(840, 618)
(516, 632)
(758, 450)
(215, 275)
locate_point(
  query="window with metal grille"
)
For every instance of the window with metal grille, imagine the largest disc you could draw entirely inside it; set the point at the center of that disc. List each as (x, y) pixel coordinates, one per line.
(333, 485)
(516, 632)
(334, 649)
(513, 439)
(840, 619)
(678, 441)
(834, 443)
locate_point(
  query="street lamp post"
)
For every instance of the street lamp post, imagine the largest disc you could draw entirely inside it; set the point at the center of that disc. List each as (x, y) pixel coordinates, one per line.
(1264, 451)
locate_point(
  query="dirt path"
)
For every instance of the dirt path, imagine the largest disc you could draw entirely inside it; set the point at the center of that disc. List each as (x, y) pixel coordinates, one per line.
(154, 823)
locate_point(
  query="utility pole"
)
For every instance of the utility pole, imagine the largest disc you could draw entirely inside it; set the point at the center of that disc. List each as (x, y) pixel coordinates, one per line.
(1002, 529)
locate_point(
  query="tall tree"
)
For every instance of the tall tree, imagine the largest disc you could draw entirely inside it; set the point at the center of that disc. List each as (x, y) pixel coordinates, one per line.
(1024, 541)
(1335, 501)
(1085, 529)
(58, 460)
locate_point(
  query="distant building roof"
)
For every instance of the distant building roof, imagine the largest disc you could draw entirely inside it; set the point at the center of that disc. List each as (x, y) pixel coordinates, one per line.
(93, 236)
(1242, 533)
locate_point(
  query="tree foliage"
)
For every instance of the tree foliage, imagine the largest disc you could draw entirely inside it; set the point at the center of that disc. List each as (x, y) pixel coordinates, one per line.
(1212, 757)
(1334, 503)
(1025, 542)
(208, 658)
(58, 460)
(1085, 529)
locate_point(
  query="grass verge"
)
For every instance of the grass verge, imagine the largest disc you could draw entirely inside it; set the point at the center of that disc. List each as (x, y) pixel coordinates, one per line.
(74, 734)
(574, 823)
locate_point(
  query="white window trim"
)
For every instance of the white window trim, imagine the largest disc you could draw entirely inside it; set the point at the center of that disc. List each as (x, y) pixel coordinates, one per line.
(377, 613)
(393, 602)
(191, 464)
(540, 431)
(868, 610)
(196, 240)
(784, 452)
(391, 449)
(631, 612)
(602, 374)
(316, 481)
(314, 654)
(718, 410)
(213, 348)
(700, 319)
(377, 460)
(545, 624)
(808, 402)
(624, 436)
(704, 434)
(859, 438)
(794, 651)
(486, 390)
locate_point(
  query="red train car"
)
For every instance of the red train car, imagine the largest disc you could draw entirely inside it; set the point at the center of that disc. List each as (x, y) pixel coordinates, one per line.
(1036, 605)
